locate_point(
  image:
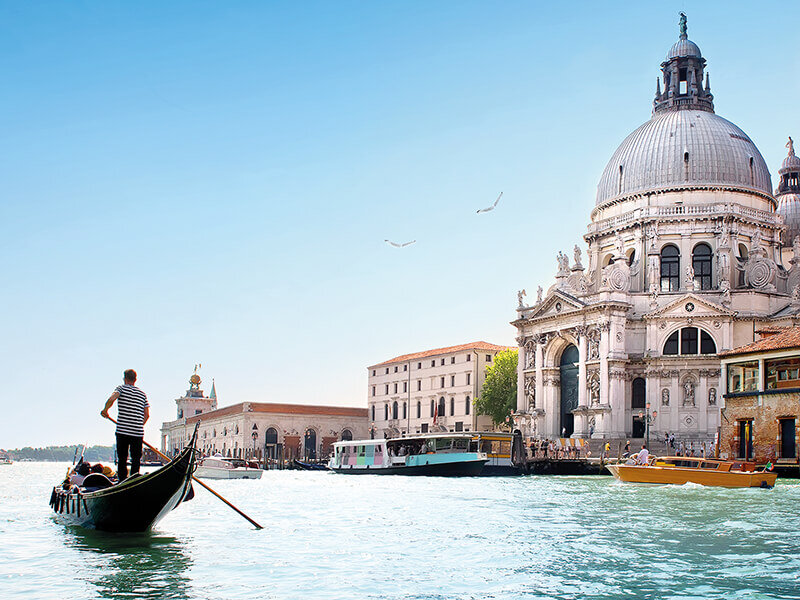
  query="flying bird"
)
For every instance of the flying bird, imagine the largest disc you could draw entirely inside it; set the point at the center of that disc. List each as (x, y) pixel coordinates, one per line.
(483, 210)
(396, 245)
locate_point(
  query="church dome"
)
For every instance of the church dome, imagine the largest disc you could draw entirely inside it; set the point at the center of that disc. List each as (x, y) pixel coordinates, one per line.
(685, 145)
(789, 209)
(684, 149)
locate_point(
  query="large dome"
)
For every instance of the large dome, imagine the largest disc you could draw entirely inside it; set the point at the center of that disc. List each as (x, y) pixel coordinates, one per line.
(684, 149)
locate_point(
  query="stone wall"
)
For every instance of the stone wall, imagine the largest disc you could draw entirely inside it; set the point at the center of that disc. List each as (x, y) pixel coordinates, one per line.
(765, 410)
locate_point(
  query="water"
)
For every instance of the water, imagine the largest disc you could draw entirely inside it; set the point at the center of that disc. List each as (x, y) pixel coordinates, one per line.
(338, 536)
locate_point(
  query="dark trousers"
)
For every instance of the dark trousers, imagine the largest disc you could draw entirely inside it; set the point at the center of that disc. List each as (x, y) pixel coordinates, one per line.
(124, 444)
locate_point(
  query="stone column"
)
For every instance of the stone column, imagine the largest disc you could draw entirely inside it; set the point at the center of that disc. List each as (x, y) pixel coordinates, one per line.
(539, 378)
(604, 426)
(521, 375)
(583, 399)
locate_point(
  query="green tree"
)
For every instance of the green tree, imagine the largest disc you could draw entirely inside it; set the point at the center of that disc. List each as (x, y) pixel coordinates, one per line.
(498, 397)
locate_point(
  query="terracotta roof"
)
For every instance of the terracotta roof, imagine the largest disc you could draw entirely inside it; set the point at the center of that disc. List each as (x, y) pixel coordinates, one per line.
(787, 338)
(449, 350)
(287, 409)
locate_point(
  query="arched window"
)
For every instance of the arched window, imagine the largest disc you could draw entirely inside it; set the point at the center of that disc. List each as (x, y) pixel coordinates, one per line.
(433, 408)
(386, 412)
(743, 256)
(394, 409)
(441, 406)
(689, 341)
(373, 413)
(452, 406)
(272, 435)
(419, 409)
(405, 409)
(632, 257)
(701, 263)
(347, 435)
(670, 269)
(466, 406)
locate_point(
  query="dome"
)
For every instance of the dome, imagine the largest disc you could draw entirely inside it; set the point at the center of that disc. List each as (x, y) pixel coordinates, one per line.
(789, 209)
(684, 149)
(790, 163)
(684, 47)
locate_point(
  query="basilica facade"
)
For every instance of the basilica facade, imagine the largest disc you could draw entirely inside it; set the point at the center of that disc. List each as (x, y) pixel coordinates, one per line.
(690, 253)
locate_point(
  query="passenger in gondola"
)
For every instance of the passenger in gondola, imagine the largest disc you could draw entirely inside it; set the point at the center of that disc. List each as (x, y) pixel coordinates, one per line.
(79, 473)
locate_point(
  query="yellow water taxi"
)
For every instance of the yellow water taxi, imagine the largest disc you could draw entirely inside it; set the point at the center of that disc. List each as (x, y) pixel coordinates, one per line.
(687, 469)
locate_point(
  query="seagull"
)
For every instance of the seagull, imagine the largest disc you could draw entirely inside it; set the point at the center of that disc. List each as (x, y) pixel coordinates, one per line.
(483, 210)
(396, 245)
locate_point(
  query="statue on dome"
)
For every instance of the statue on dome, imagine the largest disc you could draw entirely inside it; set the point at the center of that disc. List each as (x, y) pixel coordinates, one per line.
(563, 263)
(790, 146)
(520, 294)
(577, 255)
(683, 25)
(539, 295)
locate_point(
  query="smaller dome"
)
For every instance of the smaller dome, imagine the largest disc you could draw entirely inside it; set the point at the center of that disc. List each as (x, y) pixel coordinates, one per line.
(789, 209)
(684, 47)
(790, 163)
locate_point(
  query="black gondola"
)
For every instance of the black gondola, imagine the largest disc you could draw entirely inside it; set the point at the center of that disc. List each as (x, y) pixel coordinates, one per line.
(136, 504)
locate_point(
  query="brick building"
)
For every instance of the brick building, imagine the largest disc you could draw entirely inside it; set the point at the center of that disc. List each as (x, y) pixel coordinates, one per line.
(761, 408)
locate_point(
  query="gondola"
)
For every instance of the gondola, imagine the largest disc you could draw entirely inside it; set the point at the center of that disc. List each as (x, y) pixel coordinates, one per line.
(309, 466)
(135, 505)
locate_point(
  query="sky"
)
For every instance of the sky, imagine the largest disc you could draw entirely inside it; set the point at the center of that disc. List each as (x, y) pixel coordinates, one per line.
(213, 182)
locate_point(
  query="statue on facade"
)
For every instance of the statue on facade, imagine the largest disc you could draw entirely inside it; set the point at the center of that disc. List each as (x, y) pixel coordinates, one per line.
(520, 294)
(724, 268)
(619, 245)
(665, 397)
(594, 390)
(576, 253)
(755, 241)
(712, 397)
(690, 277)
(688, 393)
(724, 236)
(539, 293)
(652, 234)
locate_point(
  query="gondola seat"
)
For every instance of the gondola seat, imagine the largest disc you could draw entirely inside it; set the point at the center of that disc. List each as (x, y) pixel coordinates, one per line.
(96, 481)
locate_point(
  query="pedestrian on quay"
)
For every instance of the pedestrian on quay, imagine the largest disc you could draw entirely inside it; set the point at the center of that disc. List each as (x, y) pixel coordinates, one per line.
(672, 441)
(681, 449)
(627, 448)
(133, 411)
(666, 441)
(606, 450)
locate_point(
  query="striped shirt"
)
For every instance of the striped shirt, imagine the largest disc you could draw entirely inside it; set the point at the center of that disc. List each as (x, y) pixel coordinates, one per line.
(130, 410)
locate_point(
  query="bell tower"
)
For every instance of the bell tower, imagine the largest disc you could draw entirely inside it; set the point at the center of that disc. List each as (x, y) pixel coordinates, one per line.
(195, 402)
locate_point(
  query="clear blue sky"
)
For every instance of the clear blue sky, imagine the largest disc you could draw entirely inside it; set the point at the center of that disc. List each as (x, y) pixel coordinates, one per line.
(212, 182)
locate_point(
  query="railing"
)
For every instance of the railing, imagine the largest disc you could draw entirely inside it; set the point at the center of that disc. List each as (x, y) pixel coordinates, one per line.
(714, 210)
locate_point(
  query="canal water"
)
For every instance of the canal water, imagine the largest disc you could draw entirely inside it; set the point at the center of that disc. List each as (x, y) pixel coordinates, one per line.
(338, 536)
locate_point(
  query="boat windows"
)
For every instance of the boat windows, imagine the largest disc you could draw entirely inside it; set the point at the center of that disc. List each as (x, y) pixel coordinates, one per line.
(743, 377)
(783, 373)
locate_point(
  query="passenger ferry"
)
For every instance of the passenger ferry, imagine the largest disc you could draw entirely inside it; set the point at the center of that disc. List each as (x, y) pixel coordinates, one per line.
(497, 447)
(429, 454)
(687, 469)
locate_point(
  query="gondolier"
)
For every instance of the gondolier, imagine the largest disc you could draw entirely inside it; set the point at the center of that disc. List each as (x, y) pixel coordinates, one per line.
(132, 413)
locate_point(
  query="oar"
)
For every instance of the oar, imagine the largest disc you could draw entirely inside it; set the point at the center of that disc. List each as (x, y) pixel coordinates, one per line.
(167, 458)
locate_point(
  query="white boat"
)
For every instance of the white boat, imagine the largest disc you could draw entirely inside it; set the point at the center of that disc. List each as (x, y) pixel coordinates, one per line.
(425, 454)
(219, 467)
(4, 460)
